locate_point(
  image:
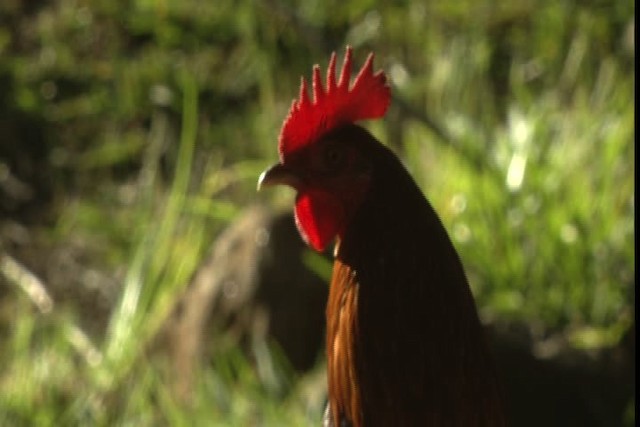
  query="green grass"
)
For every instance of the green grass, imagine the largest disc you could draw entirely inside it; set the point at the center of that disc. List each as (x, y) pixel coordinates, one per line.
(157, 117)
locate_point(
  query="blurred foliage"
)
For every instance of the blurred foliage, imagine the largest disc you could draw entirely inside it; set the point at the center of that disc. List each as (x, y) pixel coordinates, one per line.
(140, 127)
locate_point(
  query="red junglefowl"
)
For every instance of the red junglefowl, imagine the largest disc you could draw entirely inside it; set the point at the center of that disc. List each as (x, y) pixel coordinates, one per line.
(404, 343)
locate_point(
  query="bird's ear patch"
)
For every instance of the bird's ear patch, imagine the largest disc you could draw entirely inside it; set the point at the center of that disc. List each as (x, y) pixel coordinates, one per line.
(319, 218)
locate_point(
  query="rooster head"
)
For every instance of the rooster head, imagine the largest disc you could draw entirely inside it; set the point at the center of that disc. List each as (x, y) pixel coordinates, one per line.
(320, 150)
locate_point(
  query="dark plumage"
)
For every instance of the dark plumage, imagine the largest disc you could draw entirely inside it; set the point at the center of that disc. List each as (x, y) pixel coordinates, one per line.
(404, 343)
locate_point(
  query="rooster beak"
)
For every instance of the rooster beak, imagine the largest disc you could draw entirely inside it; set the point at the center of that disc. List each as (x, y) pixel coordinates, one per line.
(279, 174)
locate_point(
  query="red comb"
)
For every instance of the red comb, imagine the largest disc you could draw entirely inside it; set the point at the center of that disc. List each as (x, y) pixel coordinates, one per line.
(368, 98)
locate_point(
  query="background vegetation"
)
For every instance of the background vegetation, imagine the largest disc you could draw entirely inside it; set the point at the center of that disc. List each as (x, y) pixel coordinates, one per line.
(132, 132)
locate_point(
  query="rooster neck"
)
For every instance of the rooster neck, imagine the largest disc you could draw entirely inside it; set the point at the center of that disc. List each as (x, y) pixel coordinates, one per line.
(363, 296)
(394, 219)
(404, 342)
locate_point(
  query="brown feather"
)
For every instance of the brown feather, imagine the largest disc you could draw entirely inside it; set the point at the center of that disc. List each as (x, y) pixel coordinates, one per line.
(342, 308)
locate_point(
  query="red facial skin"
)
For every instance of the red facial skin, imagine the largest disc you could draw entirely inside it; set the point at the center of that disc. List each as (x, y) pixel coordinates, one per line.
(331, 177)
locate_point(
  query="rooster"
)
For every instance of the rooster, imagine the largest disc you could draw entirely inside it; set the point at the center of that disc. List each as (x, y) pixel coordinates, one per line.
(404, 344)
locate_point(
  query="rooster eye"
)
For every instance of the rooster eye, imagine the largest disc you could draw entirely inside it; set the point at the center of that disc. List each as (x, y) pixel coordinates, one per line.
(333, 158)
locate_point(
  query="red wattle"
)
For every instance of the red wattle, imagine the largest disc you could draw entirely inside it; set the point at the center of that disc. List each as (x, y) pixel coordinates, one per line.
(319, 218)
